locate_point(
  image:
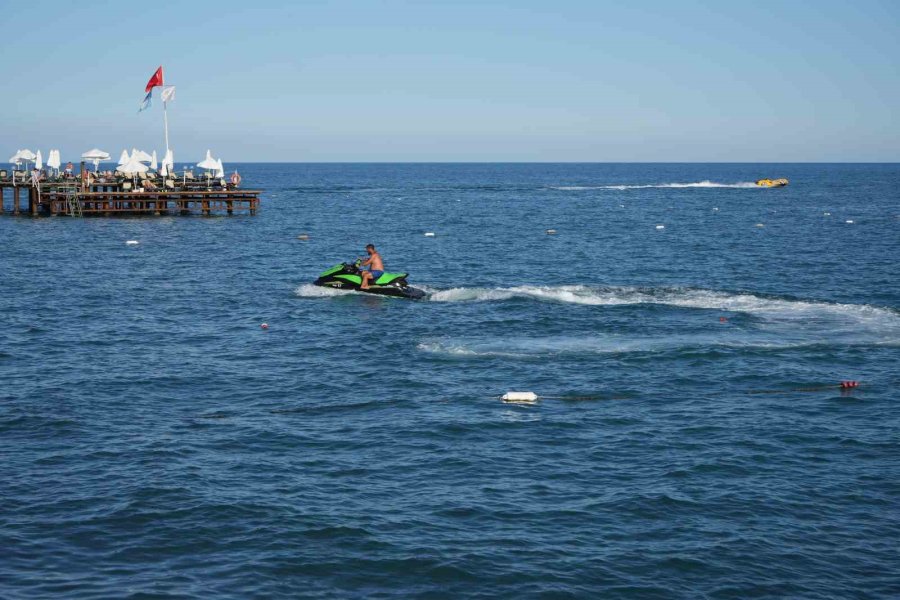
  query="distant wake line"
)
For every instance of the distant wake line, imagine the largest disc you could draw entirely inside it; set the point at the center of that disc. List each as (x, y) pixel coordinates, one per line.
(698, 184)
(745, 302)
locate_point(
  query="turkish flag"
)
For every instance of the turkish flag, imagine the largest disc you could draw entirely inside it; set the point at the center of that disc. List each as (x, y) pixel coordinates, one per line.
(156, 80)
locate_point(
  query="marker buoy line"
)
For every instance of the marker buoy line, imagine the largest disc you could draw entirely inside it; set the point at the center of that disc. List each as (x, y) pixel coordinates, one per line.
(847, 384)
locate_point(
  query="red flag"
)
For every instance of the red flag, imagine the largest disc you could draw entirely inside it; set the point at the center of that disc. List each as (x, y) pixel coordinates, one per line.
(156, 80)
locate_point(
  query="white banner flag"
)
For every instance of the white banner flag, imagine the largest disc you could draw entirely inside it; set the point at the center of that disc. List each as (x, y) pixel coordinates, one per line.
(168, 94)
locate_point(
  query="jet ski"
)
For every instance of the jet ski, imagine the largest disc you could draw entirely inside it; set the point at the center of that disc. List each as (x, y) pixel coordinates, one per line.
(772, 182)
(346, 276)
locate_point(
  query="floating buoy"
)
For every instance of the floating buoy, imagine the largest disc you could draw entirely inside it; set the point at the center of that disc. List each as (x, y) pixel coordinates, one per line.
(520, 397)
(723, 319)
(760, 224)
(827, 214)
(660, 227)
(849, 221)
(551, 232)
(846, 385)
(429, 234)
(132, 243)
(715, 209)
(264, 326)
(303, 236)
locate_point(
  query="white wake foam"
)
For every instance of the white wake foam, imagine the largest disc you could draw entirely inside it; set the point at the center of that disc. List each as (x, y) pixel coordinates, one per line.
(697, 184)
(308, 290)
(763, 306)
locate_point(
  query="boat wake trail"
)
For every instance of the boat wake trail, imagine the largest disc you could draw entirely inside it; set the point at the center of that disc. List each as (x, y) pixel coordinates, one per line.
(698, 184)
(768, 307)
(776, 323)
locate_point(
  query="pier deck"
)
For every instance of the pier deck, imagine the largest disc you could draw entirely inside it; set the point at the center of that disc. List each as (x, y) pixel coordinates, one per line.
(105, 199)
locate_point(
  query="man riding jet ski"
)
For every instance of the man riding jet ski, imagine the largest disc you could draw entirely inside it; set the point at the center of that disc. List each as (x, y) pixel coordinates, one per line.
(346, 276)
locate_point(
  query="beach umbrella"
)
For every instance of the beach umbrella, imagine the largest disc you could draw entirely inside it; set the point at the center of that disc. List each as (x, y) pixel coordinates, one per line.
(164, 169)
(16, 158)
(169, 159)
(95, 155)
(220, 169)
(53, 160)
(153, 164)
(27, 155)
(124, 158)
(140, 155)
(133, 166)
(38, 161)
(208, 163)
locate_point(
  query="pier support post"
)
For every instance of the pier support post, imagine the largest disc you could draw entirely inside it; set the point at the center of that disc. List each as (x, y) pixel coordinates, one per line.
(16, 200)
(33, 201)
(230, 209)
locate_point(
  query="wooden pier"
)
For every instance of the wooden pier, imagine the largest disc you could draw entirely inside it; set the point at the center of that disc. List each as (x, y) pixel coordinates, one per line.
(70, 197)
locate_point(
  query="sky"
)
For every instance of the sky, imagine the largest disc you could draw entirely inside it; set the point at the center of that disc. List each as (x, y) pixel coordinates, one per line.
(461, 81)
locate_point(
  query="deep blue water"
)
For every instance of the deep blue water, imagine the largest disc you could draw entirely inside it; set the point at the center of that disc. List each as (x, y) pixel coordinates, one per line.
(156, 442)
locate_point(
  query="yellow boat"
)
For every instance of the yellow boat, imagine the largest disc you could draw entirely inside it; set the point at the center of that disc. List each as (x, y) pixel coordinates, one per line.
(772, 182)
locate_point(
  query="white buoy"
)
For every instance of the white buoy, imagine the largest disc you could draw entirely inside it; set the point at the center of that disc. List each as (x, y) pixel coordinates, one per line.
(660, 226)
(551, 232)
(303, 236)
(849, 222)
(429, 234)
(520, 397)
(827, 214)
(760, 224)
(132, 242)
(715, 209)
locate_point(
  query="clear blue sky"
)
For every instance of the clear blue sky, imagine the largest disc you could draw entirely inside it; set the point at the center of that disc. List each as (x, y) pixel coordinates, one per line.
(458, 81)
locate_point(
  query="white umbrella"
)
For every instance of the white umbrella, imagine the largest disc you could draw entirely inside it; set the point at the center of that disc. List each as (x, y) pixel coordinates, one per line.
(153, 164)
(95, 155)
(140, 155)
(133, 167)
(124, 158)
(53, 160)
(27, 155)
(16, 158)
(208, 163)
(169, 159)
(220, 169)
(38, 161)
(164, 169)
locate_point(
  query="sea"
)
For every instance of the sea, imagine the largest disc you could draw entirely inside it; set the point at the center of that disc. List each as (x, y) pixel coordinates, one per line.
(189, 417)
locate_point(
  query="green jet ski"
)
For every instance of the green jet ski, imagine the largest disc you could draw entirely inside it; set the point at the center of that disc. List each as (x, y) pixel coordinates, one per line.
(345, 276)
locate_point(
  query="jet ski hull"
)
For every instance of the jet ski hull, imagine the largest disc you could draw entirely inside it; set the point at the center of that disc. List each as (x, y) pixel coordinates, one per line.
(346, 277)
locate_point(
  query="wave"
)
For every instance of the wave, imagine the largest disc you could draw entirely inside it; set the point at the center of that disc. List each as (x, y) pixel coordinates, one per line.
(698, 184)
(308, 290)
(535, 347)
(740, 302)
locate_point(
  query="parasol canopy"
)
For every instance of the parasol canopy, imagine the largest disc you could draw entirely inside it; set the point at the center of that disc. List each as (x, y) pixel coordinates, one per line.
(220, 169)
(38, 161)
(53, 160)
(208, 163)
(133, 166)
(153, 163)
(140, 155)
(124, 158)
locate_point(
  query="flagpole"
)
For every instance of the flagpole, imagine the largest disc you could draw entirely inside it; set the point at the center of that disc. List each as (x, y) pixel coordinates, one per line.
(166, 125)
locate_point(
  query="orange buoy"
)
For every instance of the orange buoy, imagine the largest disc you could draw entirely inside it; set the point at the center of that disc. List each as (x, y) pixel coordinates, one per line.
(235, 179)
